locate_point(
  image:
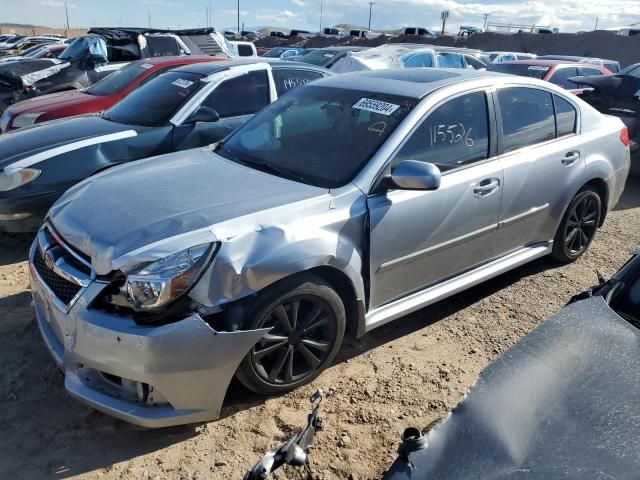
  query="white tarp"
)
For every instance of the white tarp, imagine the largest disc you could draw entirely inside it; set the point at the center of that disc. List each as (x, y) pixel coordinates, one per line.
(386, 56)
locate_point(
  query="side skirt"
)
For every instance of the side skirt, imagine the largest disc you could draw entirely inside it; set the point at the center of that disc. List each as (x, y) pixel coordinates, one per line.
(415, 301)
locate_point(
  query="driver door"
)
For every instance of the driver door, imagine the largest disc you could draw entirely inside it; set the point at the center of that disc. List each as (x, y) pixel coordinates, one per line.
(236, 100)
(419, 238)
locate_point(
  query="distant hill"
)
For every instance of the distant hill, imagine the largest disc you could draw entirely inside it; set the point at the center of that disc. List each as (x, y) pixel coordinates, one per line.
(16, 25)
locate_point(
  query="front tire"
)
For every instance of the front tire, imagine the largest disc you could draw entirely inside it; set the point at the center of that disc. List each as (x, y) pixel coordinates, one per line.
(578, 226)
(307, 320)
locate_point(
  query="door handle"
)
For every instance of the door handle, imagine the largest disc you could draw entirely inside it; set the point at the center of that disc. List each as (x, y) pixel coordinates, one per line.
(486, 187)
(570, 158)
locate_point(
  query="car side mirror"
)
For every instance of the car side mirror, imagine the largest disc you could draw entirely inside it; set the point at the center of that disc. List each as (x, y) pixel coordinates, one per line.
(415, 175)
(203, 114)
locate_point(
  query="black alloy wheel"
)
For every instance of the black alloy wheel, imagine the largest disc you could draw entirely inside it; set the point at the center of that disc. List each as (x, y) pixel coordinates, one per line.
(579, 225)
(307, 320)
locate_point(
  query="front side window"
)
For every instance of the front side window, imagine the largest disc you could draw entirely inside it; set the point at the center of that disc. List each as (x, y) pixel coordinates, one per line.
(561, 77)
(243, 95)
(566, 117)
(287, 79)
(527, 117)
(454, 135)
(318, 135)
(155, 102)
(590, 71)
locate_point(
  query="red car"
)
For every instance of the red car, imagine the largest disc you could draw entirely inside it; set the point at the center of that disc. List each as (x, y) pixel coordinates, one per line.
(554, 71)
(97, 98)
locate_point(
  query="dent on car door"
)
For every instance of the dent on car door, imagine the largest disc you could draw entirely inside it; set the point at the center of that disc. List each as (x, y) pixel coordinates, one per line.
(543, 160)
(418, 238)
(235, 100)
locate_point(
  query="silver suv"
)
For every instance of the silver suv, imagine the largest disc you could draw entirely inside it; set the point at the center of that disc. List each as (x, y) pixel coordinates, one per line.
(344, 205)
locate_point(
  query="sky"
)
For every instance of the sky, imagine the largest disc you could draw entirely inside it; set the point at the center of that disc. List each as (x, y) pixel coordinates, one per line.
(568, 15)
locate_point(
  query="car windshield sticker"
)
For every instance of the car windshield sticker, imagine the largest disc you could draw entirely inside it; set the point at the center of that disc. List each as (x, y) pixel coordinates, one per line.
(376, 106)
(182, 83)
(537, 67)
(146, 66)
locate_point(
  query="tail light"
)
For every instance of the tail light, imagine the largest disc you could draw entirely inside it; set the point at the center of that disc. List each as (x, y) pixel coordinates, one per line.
(624, 136)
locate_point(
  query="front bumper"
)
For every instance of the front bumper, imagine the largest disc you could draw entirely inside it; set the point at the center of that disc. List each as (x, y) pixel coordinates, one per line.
(31, 208)
(150, 376)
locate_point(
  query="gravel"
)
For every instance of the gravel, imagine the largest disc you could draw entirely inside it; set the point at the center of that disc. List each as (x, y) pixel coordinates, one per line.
(408, 373)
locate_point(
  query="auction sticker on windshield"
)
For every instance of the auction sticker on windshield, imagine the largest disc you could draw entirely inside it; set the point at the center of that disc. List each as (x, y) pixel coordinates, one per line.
(181, 82)
(376, 106)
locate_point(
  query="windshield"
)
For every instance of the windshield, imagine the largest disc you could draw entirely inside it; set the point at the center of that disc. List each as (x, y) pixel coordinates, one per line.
(318, 57)
(524, 70)
(119, 79)
(30, 52)
(318, 135)
(155, 102)
(274, 53)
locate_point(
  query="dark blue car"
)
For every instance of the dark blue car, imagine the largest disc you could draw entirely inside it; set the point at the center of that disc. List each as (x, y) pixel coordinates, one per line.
(186, 107)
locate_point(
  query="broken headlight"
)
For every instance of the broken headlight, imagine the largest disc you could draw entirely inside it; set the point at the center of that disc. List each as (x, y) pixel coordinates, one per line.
(17, 178)
(159, 283)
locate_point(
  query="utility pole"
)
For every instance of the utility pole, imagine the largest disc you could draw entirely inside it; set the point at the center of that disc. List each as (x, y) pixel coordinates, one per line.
(596, 27)
(321, 12)
(371, 4)
(149, 18)
(238, 17)
(66, 10)
(444, 15)
(486, 22)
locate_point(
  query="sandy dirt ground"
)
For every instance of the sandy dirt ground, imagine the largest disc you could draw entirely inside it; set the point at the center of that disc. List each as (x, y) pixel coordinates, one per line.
(408, 373)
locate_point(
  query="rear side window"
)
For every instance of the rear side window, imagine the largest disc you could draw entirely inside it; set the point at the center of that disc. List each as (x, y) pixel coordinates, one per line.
(288, 78)
(244, 95)
(454, 135)
(590, 71)
(566, 116)
(561, 77)
(245, 50)
(527, 117)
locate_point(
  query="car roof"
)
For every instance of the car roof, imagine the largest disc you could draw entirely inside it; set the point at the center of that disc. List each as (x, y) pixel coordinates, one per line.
(406, 82)
(551, 63)
(180, 59)
(574, 58)
(210, 68)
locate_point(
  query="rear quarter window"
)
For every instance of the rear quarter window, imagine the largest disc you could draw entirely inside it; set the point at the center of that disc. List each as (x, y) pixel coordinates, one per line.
(566, 117)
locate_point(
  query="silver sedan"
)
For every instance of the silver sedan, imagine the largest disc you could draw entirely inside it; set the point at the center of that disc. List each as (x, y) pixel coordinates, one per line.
(344, 205)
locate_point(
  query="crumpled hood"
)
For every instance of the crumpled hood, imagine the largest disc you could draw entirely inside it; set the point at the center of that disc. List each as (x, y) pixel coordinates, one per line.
(49, 103)
(27, 146)
(15, 71)
(136, 205)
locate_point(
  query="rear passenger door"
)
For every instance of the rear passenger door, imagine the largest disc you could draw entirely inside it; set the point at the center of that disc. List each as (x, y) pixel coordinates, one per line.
(236, 100)
(543, 159)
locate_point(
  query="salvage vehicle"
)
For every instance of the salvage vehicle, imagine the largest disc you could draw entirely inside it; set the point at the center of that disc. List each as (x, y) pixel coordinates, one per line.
(52, 50)
(558, 404)
(327, 57)
(95, 99)
(499, 57)
(399, 56)
(420, 32)
(155, 282)
(185, 107)
(618, 95)
(563, 74)
(611, 65)
(26, 43)
(94, 56)
(283, 52)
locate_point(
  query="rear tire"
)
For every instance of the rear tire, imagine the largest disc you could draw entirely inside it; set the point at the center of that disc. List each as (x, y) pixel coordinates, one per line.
(307, 320)
(578, 226)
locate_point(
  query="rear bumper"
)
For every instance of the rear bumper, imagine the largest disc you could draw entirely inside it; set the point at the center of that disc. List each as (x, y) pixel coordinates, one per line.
(150, 376)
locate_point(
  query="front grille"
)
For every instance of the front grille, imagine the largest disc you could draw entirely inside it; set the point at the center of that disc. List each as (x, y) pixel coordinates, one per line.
(61, 287)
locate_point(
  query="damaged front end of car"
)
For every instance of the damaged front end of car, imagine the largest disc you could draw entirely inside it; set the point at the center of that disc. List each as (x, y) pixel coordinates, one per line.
(133, 365)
